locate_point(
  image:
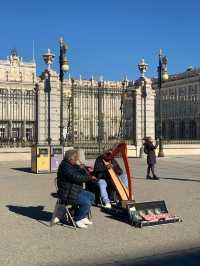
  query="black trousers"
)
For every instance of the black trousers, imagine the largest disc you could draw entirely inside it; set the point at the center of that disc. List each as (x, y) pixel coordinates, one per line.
(151, 167)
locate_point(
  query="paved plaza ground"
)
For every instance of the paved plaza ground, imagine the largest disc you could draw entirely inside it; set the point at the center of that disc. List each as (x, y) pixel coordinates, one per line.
(26, 208)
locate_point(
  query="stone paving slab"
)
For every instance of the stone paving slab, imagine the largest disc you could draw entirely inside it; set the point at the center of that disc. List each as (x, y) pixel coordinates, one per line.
(26, 208)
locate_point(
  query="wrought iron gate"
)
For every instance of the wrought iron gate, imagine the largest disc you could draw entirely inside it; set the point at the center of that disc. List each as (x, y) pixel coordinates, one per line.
(99, 118)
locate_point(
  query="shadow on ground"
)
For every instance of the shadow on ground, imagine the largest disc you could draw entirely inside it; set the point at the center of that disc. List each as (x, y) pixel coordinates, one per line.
(23, 169)
(180, 179)
(118, 216)
(33, 212)
(190, 257)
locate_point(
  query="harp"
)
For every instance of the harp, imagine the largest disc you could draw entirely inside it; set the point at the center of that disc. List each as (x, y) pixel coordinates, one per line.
(125, 194)
(139, 214)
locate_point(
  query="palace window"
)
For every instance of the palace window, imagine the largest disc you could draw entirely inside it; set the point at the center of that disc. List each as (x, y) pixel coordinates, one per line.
(182, 129)
(171, 129)
(192, 129)
(15, 133)
(2, 133)
(29, 134)
(182, 91)
(195, 89)
(164, 130)
(171, 92)
(189, 90)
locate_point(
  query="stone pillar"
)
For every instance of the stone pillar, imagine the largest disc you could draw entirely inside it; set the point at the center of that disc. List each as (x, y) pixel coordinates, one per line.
(9, 129)
(138, 121)
(24, 130)
(150, 109)
(54, 111)
(145, 113)
(55, 108)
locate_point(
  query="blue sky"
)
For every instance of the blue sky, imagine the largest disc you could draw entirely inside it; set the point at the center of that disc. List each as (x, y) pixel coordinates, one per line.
(105, 37)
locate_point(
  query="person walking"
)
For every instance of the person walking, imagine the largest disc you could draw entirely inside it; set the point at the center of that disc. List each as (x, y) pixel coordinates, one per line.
(149, 149)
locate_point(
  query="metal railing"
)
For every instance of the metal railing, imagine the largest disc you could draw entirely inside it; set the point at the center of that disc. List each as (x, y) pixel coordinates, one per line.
(95, 117)
(99, 118)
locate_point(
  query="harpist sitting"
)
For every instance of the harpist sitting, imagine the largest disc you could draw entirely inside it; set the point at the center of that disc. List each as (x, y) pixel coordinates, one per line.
(103, 176)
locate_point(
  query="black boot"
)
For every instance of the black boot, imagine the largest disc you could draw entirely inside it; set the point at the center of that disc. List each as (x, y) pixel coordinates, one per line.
(149, 177)
(155, 177)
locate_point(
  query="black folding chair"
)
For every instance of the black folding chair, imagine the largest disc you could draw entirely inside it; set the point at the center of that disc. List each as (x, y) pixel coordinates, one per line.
(61, 211)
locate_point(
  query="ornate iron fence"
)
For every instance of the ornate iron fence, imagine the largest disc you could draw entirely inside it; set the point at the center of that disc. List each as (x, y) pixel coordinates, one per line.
(95, 117)
(99, 117)
(17, 117)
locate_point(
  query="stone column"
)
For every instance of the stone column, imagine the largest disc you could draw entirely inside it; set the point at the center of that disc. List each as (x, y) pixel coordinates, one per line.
(9, 127)
(145, 113)
(24, 130)
(55, 107)
(150, 109)
(138, 121)
(54, 111)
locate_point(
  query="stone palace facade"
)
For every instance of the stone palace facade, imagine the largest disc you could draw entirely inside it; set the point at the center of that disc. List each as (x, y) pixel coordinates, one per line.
(180, 98)
(17, 82)
(95, 112)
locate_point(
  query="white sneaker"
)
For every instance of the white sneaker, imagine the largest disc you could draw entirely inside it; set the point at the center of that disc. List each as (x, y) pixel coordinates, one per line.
(108, 206)
(81, 224)
(55, 221)
(87, 221)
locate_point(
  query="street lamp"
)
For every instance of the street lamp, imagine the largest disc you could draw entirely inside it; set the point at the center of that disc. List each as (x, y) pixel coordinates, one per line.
(162, 76)
(64, 67)
(48, 59)
(36, 89)
(142, 66)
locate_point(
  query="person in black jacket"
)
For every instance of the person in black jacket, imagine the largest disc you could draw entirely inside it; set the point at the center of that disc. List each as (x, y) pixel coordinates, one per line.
(70, 178)
(149, 149)
(103, 176)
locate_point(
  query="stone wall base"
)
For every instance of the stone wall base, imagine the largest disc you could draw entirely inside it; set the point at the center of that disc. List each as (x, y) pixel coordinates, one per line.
(24, 154)
(15, 154)
(181, 149)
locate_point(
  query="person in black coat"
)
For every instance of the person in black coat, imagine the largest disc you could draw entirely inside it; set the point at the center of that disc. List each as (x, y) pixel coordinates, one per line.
(149, 149)
(103, 176)
(70, 178)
